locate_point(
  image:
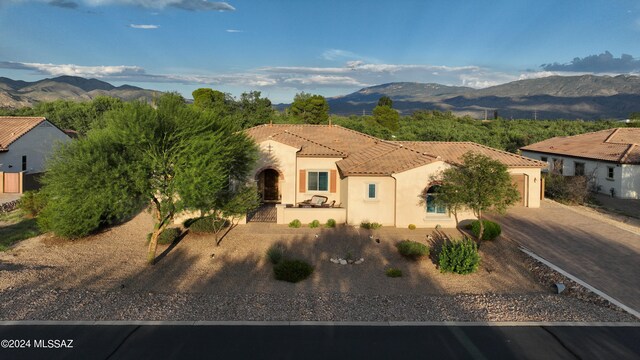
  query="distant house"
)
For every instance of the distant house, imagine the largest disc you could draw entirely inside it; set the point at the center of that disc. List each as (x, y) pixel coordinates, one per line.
(352, 177)
(611, 158)
(25, 143)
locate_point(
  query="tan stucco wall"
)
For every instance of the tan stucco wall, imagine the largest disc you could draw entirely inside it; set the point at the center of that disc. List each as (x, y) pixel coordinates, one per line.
(282, 158)
(532, 186)
(307, 215)
(318, 164)
(410, 185)
(360, 208)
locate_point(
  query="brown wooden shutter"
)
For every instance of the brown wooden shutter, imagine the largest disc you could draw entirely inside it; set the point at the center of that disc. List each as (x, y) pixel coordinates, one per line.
(332, 181)
(302, 181)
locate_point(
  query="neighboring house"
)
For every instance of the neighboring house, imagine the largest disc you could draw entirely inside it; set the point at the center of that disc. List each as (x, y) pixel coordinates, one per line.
(25, 142)
(366, 178)
(610, 158)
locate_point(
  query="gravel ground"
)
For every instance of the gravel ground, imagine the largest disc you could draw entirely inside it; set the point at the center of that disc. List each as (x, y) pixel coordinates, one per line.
(104, 277)
(88, 305)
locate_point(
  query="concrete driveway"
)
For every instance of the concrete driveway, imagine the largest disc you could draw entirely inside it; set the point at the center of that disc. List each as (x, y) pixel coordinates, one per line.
(596, 251)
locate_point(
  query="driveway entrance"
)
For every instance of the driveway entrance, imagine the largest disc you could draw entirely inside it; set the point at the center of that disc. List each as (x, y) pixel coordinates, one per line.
(603, 255)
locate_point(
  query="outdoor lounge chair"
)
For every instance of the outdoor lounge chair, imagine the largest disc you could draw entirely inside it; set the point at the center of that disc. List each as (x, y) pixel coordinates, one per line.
(315, 201)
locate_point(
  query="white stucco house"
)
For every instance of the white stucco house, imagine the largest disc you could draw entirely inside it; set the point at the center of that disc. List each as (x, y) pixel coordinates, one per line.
(610, 158)
(364, 178)
(25, 143)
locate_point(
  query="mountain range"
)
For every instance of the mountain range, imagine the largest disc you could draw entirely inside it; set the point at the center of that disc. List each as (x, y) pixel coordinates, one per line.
(586, 97)
(17, 93)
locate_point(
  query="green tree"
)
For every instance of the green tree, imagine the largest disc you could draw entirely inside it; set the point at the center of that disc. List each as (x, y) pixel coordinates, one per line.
(387, 117)
(220, 103)
(173, 157)
(311, 109)
(480, 184)
(254, 110)
(385, 101)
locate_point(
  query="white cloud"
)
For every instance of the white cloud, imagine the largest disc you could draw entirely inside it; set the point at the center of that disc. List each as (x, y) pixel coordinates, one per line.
(324, 80)
(76, 70)
(234, 31)
(191, 5)
(142, 26)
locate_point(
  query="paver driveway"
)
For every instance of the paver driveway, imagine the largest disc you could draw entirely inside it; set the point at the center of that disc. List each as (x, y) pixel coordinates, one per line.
(599, 253)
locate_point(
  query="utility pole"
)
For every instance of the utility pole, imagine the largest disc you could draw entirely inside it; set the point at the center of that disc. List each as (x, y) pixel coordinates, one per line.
(485, 114)
(535, 114)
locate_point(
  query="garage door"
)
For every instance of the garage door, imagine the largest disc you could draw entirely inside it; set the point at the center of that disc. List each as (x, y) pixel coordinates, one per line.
(520, 181)
(12, 182)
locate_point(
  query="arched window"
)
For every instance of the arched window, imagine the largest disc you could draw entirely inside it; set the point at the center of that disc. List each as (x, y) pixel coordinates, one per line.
(432, 207)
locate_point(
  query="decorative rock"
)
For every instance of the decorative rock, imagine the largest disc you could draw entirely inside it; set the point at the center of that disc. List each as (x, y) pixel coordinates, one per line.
(359, 261)
(343, 262)
(350, 261)
(335, 261)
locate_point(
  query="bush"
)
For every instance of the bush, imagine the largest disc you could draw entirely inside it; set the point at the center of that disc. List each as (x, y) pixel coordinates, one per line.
(370, 225)
(292, 270)
(567, 189)
(206, 224)
(330, 223)
(275, 254)
(168, 236)
(314, 224)
(491, 229)
(412, 227)
(295, 224)
(393, 272)
(31, 203)
(460, 257)
(412, 249)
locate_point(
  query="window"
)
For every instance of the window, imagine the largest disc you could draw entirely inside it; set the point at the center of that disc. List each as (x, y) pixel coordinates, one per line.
(432, 207)
(610, 172)
(372, 191)
(544, 158)
(318, 181)
(579, 169)
(24, 162)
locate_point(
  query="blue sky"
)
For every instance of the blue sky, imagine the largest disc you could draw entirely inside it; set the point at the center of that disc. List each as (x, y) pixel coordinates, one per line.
(325, 47)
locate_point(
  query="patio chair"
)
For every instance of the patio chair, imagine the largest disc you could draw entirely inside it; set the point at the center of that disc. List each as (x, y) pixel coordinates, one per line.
(315, 201)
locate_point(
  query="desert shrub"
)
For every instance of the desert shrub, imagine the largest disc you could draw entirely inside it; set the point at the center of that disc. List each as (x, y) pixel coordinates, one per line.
(491, 229)
(412, 227)
(393, 272)
(295, 223)
(370, 225)
(314, 224)
(412, 249)
(292, 270)
(275, 254)
(330, 223)
(31, 203)
(206, 224)
(168, 236)
(459, 256)
(567, 189)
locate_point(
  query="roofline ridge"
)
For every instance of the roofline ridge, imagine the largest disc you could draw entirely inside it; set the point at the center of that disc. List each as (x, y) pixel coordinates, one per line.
(613, 133)
(505, 152)
(627, 152)
(317, 143)
(41, 118)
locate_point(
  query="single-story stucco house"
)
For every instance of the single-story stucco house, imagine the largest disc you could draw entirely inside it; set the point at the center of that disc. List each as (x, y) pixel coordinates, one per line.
(365, 178)
(25, 142)
(610, 158)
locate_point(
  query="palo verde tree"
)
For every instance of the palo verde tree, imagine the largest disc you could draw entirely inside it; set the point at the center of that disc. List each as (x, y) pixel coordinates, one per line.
(146, 155)
(480, 184)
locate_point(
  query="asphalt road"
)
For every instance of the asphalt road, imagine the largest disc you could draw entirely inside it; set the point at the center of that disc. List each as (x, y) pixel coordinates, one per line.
(321, 342)
(599, 253)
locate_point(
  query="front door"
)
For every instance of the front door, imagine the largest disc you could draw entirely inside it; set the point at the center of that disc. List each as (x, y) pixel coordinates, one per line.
(268, 185)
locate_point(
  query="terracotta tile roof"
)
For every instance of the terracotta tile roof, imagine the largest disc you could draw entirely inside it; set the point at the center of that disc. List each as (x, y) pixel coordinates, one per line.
(13, 127)
(367, 155)
(452, 152)
(620, 145)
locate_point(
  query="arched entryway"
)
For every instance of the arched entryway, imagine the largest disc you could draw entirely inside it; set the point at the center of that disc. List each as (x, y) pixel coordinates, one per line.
(268, 180)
